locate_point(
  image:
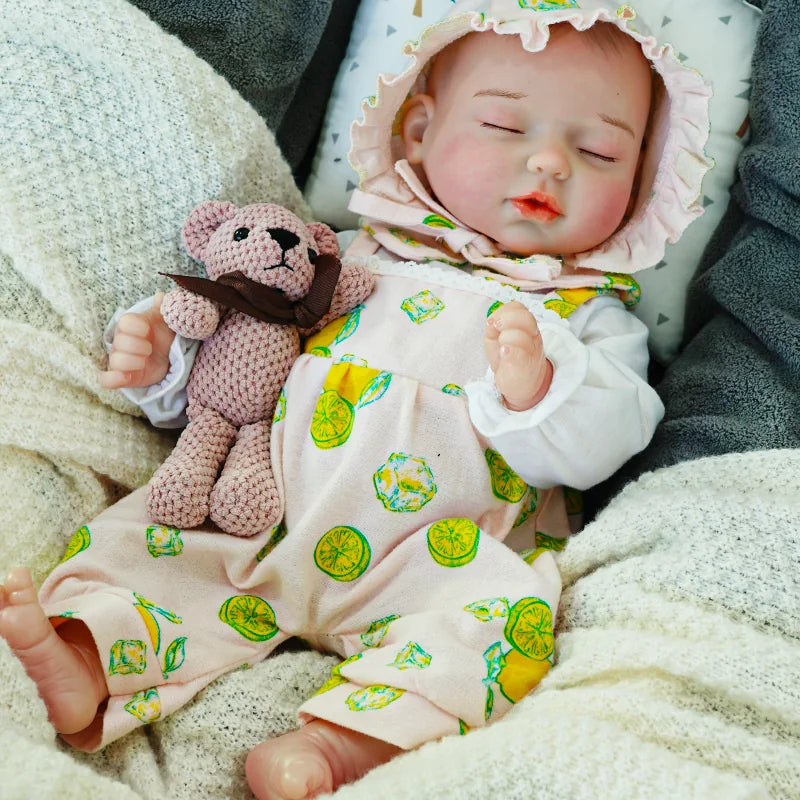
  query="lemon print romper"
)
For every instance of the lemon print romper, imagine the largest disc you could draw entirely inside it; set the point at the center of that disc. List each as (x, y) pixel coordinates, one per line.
(391, 552)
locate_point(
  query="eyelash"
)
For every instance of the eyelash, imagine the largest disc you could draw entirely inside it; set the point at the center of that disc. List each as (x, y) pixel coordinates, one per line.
(608, 159)
(499, 127)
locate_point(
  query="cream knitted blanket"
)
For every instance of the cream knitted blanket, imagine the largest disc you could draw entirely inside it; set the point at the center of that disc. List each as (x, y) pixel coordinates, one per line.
(677, 674)
(679, 638)
(110, 132)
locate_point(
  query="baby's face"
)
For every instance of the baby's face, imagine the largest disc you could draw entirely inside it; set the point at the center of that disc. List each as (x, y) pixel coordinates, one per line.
(536, 150)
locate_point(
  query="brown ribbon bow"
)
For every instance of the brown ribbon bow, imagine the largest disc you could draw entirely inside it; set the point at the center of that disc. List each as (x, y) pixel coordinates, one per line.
(236, 290)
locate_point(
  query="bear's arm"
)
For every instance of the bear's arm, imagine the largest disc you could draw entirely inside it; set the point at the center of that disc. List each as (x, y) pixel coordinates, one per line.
(189, 314)
(355, 285)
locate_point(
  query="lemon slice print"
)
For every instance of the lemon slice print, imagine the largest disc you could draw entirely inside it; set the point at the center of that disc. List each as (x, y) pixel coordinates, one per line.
(145, 705)
(80, 540)
(437, 221)
(280, 408)
(528, 507)
(331, 683)
(404, 483)
(277, 535)
(147, 610)
(530, 554)
(332, 420)
(422, 306)
(631, 293)
(377, 630)
(549, 542)
(175, 656)
(343, 553)
(348, 387)
(573, 499)
(547, 5)
(506, 484)
(453, 542)
(336, 678)
(163, 541)
(530, 628)
(520, 674)
(412, 656)
(493, 307)
(250, 616)
(489, 609)
(561, 307)
(373, 697)
(127, 657)
(333, 333)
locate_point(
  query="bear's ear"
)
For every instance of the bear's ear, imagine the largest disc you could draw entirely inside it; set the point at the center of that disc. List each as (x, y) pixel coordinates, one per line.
(324, 237)
(202, 223)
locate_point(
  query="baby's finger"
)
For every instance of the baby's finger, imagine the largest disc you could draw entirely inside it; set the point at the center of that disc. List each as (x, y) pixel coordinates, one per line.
(519, 339)
(114, 379)
(134, 345)
(513, 357)
(153, 314)
(491, 346)
(516, 317)
(134, 325)
(126, 362)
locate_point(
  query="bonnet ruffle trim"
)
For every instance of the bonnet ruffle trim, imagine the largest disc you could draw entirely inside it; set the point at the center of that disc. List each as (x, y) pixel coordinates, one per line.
(679, 133)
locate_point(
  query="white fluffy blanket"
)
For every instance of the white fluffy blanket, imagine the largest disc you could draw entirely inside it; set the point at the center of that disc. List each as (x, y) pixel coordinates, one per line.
(678, 671)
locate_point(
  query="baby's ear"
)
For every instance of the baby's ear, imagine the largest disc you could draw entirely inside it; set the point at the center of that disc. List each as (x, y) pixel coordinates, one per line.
(202, 223)
(417, 115)
(324, 237)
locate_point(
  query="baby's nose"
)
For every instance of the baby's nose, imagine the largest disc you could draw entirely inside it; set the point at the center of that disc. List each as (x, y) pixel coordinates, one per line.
(549, 161)
(286, 239)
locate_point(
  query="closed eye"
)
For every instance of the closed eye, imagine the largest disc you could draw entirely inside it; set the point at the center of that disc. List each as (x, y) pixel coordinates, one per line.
(597, 155)
(499, 127)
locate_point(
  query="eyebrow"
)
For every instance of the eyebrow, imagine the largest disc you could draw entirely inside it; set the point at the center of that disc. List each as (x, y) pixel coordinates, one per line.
(499, 93)
(617, 123)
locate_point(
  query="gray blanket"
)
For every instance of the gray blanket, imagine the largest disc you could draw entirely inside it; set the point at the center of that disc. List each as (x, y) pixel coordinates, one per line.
(736, 385)
(280, 56)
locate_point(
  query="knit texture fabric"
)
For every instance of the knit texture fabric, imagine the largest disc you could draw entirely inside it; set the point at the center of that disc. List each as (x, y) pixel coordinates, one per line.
(243, 361)
(111, 132)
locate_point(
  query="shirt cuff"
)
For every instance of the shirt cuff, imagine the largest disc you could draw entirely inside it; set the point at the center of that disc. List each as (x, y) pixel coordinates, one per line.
(570, 360)
(163, 403)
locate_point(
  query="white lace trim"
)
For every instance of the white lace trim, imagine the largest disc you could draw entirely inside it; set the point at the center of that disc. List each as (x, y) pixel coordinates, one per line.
(452, 277)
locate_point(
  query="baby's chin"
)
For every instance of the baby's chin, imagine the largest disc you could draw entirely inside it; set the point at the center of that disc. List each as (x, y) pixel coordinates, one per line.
(525, 246)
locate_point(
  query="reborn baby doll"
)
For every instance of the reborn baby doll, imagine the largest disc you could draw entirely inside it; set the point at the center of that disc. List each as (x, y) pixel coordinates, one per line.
(425, 436)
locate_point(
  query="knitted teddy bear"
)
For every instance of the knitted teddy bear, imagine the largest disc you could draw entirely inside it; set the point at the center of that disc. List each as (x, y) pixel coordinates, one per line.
(273, 278)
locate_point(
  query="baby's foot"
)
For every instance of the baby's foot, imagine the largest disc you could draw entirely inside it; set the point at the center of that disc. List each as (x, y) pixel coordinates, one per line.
(312, 760)
(64, 666)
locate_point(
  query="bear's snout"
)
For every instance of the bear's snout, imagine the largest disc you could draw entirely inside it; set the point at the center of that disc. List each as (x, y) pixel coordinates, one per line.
(286, 239)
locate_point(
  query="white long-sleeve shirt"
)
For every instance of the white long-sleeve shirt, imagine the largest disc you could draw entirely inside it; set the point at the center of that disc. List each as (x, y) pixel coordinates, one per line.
(598, 412)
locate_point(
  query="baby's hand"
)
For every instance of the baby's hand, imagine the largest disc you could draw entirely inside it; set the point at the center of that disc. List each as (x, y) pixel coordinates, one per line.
(514, 349)
(140, 350)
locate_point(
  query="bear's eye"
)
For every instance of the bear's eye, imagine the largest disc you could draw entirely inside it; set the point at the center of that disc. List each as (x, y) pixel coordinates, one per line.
(240, 233)
(312, 254)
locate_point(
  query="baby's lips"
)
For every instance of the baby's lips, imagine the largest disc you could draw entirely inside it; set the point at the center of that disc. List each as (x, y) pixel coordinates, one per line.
(538, 201)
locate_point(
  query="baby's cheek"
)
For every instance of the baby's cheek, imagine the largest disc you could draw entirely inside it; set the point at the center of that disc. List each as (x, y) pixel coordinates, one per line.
(458, 173)
(609, 208)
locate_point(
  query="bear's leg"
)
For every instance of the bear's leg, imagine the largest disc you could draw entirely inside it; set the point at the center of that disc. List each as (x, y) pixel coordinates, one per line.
(245, 499)
(179, 491)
